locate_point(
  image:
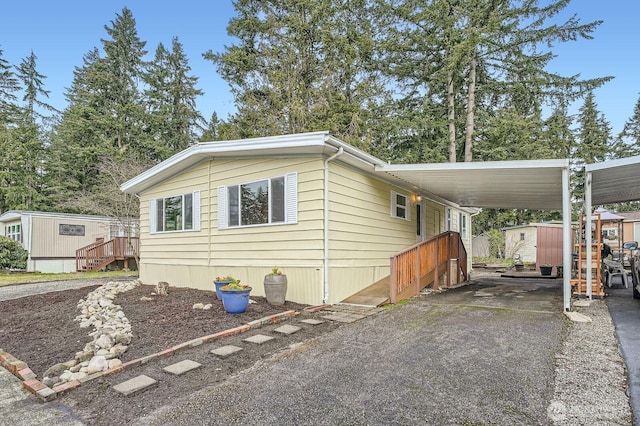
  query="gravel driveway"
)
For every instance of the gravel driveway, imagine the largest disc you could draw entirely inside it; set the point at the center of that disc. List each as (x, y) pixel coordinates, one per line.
(480, 354)
(493, 352)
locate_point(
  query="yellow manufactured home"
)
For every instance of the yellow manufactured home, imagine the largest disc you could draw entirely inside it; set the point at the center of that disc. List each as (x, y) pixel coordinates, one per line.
(52, 239)
(312, 205)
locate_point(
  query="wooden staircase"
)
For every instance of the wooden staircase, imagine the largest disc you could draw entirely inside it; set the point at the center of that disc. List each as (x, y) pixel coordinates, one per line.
(102, 253)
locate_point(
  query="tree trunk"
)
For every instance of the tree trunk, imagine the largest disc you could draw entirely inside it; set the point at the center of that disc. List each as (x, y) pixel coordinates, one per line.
(471, 103)
(451, 116)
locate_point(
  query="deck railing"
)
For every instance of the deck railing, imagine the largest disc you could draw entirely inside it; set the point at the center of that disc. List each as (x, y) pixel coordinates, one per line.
(425, 263)
(99, 254)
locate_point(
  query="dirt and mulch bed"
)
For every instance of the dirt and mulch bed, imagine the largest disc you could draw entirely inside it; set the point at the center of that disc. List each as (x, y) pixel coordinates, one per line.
(41, 330)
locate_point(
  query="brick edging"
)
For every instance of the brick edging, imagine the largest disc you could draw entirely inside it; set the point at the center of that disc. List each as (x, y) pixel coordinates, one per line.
(44, 393)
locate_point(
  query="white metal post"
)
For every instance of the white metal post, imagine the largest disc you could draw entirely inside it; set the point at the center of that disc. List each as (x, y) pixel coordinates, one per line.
(588, 236)
(566, 239)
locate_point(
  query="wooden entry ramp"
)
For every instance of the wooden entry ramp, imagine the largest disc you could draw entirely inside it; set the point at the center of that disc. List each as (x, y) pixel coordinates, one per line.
(375, 295)
(441, 259)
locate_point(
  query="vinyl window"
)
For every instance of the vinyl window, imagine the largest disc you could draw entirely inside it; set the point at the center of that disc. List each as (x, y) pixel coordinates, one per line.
(13, 232)
(399, 205)
(175, 213)
(270, 201)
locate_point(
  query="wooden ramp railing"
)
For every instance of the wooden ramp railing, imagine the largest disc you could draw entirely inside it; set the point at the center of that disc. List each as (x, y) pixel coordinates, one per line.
(101, 253)
(425, 263)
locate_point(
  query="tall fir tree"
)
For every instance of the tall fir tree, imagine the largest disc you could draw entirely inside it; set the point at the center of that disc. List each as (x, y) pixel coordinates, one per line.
(9, 86)
(120, 75)
(471, 57)
(171, 101)
(301, 66)
(26, 153)
(629, 138)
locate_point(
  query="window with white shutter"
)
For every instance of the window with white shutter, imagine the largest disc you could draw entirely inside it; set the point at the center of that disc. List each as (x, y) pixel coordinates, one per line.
(272, 201)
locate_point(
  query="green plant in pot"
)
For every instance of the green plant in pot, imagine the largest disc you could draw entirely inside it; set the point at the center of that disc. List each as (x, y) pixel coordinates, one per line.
(235, 297)
(275, 286)
(222, 281)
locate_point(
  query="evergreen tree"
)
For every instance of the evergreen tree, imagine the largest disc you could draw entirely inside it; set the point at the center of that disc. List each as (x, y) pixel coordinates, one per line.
(9, 86)
(119, 76)
(476, 56)
(78, 140)
(25, 153)
(594, 134)
(171, 101)
(218, 130)
(629, 138)
(299, 66)
(594, 144)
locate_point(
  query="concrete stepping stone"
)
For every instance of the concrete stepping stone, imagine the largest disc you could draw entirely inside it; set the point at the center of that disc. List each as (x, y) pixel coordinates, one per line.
(134, 385)
(342, 317)
(287, 329)
(258, 339)
(226, 351)
(311, 321)
(182, 367)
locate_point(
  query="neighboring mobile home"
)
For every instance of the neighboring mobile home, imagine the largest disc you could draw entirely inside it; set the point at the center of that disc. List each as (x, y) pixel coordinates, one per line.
(51, 239)
(308, 203)
(631, 226)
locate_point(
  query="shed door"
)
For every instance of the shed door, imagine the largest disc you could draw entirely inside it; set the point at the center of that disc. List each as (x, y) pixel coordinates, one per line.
(549, 246)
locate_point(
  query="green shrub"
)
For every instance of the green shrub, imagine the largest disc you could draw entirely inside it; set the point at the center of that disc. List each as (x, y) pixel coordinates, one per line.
(12, 255)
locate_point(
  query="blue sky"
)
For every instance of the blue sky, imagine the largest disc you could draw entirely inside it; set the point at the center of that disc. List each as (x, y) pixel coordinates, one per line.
(61, 32)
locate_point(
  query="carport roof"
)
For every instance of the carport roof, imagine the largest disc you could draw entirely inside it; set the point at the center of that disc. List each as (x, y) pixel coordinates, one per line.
(528, 184)
(615, 181)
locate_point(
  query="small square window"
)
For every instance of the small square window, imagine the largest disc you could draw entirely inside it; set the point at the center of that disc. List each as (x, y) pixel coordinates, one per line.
(399, 205)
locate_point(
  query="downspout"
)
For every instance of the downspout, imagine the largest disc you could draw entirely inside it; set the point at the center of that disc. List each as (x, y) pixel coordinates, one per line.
(30, 245)
(340, 151)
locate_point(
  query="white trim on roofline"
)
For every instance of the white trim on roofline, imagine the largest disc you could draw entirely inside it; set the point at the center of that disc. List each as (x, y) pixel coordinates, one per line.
(318, 143)
(484, 165)
(609, 164)
(15, 214)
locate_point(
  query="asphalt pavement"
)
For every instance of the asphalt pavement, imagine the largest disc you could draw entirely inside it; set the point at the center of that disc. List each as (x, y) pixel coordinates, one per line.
(479, 354)
(625, 314)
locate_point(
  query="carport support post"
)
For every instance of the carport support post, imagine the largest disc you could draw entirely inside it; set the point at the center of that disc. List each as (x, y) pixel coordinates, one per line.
(588, 235)
(566, 239)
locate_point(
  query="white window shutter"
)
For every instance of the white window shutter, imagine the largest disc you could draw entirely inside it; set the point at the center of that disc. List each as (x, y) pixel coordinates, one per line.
(153, 216)
(223, 217)
(291, 198)
(196, 210)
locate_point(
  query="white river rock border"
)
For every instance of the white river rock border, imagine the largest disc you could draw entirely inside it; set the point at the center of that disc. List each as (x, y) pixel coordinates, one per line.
(110, 338)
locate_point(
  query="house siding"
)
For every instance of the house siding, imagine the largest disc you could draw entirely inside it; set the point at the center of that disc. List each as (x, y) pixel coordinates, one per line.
(194, 259)
(362, 233)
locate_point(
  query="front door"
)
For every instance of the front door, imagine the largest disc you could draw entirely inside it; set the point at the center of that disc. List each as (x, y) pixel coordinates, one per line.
(421, 221)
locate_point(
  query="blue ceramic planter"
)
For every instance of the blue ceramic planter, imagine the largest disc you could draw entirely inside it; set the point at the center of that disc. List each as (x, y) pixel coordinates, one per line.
(219, 284)
(235, 301)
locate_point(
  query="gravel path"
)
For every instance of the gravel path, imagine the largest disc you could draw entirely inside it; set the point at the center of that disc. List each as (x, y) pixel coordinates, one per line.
(591, 378)
(22, 290)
